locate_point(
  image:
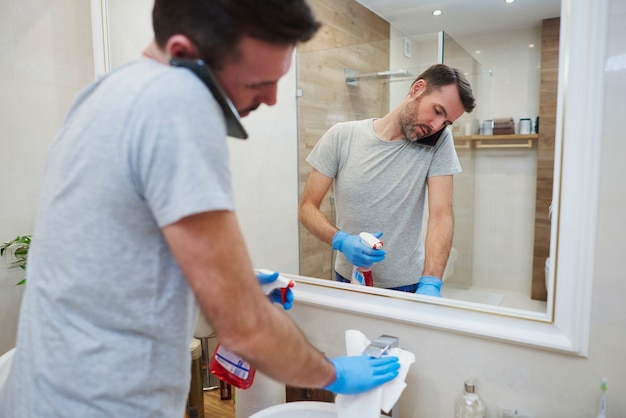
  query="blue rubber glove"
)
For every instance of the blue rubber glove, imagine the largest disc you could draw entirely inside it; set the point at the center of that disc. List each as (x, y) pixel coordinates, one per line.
(356, 374)
(276, 295)
(429, 286)
(355, 251)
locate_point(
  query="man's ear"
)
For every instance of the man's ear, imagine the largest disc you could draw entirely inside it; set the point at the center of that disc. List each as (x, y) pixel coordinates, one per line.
(179, 46)
(418, 87)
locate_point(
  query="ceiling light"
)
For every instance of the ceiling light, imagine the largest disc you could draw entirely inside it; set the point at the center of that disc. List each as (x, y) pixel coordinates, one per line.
(531, 45)
(436, 12)
(509, 1)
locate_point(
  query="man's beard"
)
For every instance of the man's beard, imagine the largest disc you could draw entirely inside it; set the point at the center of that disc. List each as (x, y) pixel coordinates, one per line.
(408, 125)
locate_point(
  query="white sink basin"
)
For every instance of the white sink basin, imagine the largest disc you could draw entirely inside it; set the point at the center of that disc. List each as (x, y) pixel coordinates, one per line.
(303, 409)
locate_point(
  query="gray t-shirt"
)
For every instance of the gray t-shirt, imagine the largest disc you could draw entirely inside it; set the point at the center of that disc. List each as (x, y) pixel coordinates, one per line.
(381, 186)
(107, 316)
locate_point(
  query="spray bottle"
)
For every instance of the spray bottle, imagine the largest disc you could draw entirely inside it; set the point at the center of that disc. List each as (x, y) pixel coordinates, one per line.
(230, 367)
(363, 275)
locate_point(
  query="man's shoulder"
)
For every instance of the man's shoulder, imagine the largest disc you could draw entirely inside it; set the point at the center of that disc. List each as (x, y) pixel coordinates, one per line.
(150, 74)
(351, 125)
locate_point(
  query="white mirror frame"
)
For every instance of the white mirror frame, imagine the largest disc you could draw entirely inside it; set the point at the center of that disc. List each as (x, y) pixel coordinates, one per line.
(100, 31)
(565, 325)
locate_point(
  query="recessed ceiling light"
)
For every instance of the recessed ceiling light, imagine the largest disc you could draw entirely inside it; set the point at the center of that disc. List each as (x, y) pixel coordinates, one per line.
(436, 12)
(531, 45)
(509, 1)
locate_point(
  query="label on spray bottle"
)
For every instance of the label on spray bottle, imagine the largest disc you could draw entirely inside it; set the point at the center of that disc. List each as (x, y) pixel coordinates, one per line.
(228, 366)
(231, 368)
(232, 363)
(357, 276)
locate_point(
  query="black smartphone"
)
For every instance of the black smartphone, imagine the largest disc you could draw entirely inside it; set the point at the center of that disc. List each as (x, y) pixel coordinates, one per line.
(234, 127)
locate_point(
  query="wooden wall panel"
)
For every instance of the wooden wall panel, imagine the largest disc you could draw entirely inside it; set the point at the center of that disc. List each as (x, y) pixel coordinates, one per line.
(545, 152)
(353, 37)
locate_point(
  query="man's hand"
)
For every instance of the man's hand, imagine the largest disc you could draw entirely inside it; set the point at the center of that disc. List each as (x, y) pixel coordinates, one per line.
(355, 251)
(356, 374)
(429, 286)
(276, 295)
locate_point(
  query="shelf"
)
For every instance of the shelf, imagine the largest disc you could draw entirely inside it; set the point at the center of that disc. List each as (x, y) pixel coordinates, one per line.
(494, 141)
(492, 137)
(352, 77)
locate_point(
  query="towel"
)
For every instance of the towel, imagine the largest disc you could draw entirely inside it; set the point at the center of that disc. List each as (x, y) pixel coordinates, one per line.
(503, 122)
(503, 126)
(369, 404)
(504, 131)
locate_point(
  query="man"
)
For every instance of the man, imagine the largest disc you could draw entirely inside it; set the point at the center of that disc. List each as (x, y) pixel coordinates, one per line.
(381, 168)
(138, 186)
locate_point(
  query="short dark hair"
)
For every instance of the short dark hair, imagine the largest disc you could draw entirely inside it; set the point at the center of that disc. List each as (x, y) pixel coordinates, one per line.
(216, 26)
(440, 75)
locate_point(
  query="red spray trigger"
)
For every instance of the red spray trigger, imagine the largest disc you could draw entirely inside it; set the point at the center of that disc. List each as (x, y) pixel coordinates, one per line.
(283, 291)
(281, 283)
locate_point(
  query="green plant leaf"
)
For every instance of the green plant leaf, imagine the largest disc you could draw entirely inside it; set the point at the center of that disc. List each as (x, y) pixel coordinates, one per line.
(21, 252)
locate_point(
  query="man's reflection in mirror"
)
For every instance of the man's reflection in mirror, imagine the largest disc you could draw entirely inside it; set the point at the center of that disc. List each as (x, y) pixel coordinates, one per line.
(384, 170)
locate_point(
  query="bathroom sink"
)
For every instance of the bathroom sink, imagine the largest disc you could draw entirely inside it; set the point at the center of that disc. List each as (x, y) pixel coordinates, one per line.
(302, 409)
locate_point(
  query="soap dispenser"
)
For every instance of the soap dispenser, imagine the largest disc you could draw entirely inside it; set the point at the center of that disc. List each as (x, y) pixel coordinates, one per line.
(468, 404)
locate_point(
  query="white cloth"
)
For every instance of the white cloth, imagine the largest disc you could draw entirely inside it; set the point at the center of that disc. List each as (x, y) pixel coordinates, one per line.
(369, 404)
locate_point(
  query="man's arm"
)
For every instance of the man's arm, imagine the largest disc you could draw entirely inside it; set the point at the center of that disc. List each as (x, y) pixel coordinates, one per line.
(440, 225)
(212, 254)
(313, 219)
(309, 213)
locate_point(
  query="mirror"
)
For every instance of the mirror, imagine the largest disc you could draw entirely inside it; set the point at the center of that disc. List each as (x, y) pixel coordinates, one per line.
(501, 199)
(562, 326)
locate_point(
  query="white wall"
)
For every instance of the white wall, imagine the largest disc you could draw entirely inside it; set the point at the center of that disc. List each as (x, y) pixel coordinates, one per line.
(545, 383)
(510, 65)
(130, 29)
(45, 58)
(265, 181)
(423, 52)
